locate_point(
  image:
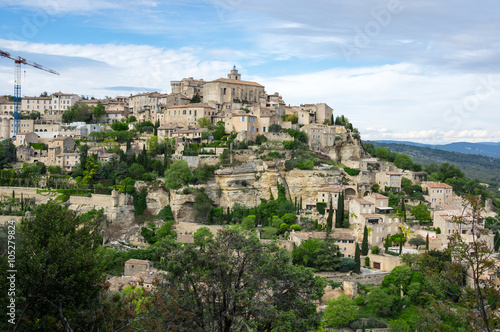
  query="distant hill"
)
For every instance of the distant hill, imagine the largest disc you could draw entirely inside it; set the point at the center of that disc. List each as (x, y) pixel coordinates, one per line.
(474, 166)
(488, 149)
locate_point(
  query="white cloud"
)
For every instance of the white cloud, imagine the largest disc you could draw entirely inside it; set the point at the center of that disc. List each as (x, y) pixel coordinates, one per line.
(90, 69)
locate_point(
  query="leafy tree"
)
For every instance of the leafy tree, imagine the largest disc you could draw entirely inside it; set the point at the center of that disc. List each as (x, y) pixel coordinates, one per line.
(219, 131)
(60, 270)
(119, 126)
(417, 241)
(202, 236)
(320, 206)
(77, 113)
(201, 207)
(260, 139)
(274, 128)
(403, 161)
(131, 119)
(136, 171)
(90, 172)
(340, 312)
(177, 174)
(421, 212)
(140, 202)
(205, 123)
(7, 153)
(239, 283)
(379, 302)
(98, 111)
(248, 223)
(322, 255)
(357, 259)
(364, 244)
(289, 218)
(382, 152)
(166, 213)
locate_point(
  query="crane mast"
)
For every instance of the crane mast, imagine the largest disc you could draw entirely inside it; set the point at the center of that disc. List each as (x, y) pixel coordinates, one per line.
(17, 84)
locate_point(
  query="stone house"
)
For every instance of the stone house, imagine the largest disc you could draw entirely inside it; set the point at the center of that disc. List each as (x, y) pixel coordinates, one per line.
(25, 138)
(388, 180)
(187, 115)
(233, 89)
(438, 193)
(135, 266)
(320, 135)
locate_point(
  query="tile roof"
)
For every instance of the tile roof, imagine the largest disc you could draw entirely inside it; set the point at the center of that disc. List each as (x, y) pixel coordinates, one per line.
(437, 185)
(228, 80)
(331, 189)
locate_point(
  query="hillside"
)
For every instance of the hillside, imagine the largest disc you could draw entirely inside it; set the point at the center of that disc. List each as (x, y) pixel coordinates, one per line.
(474, 166)
(488, 149)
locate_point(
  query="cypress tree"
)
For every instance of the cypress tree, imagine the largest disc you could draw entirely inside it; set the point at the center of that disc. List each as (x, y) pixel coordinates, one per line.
(329, 219)
(301, 203)
(357, 260)
(496, 241)
(403, 208)
(338, 213)
(364, 244)
(427, 242)
(401, 246)
(386, 245)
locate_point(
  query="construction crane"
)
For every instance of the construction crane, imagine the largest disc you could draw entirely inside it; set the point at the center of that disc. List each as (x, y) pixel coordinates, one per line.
(18, 61)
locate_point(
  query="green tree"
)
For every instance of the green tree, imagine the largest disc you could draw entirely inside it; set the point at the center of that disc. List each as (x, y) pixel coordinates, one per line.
(119, 126)
(196, 99)
(202, 236)
(131, 119)
(77, 113)
(403, 161)
(248, 223)
(416, 241)
(427, 242)
(379, 302)
(381, 152)
(201, 207)
(421, 212)
(90, 172)
(136, 171)
(322, 255)
(274, 128)
(364, 244)
(166, 213)
(205, 123)
(177, 174)
(59, 269)
(340, 312)
(7, 153)
(357, 259)
(238, 283)
(329, 219)
(98, 111)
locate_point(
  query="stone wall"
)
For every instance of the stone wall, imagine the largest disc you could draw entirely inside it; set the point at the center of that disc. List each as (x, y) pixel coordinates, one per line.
(102, 200)
(278, 137)
(26, 191)
(374, 279)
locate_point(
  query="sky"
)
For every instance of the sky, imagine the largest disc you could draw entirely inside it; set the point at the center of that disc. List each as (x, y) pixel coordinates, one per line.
(410, 70)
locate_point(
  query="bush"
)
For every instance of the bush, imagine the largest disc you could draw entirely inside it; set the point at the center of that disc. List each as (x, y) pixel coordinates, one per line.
(295, 227)
(352, 171)
(375, 250)
(367, 261)
(260, 139)
(438, 230)
(359, 300)
(306, 165)
(166, 213)
(347, 264)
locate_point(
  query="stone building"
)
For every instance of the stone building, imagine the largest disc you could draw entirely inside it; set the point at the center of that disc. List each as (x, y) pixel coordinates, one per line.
(187, 87)
(188, 115)
(233, 89)
(136, 266)
(437, 193)
(388, 180)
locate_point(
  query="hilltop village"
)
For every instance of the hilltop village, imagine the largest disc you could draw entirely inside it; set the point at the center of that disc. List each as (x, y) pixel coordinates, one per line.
(214, 154)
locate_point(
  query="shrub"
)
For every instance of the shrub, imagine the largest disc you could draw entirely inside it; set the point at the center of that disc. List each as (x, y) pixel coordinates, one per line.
(352, 171)
(438, 230)
(359, 300)
(295, 227)
(367, 261)
(347, 264)
(375, 250)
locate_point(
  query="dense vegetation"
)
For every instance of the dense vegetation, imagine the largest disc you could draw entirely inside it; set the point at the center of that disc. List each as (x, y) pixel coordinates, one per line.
(474, 166)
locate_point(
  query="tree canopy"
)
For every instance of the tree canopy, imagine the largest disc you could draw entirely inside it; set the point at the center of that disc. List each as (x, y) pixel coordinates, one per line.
(240, 283)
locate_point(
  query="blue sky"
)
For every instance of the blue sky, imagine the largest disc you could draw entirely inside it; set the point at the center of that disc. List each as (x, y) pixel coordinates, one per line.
(425, 71)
